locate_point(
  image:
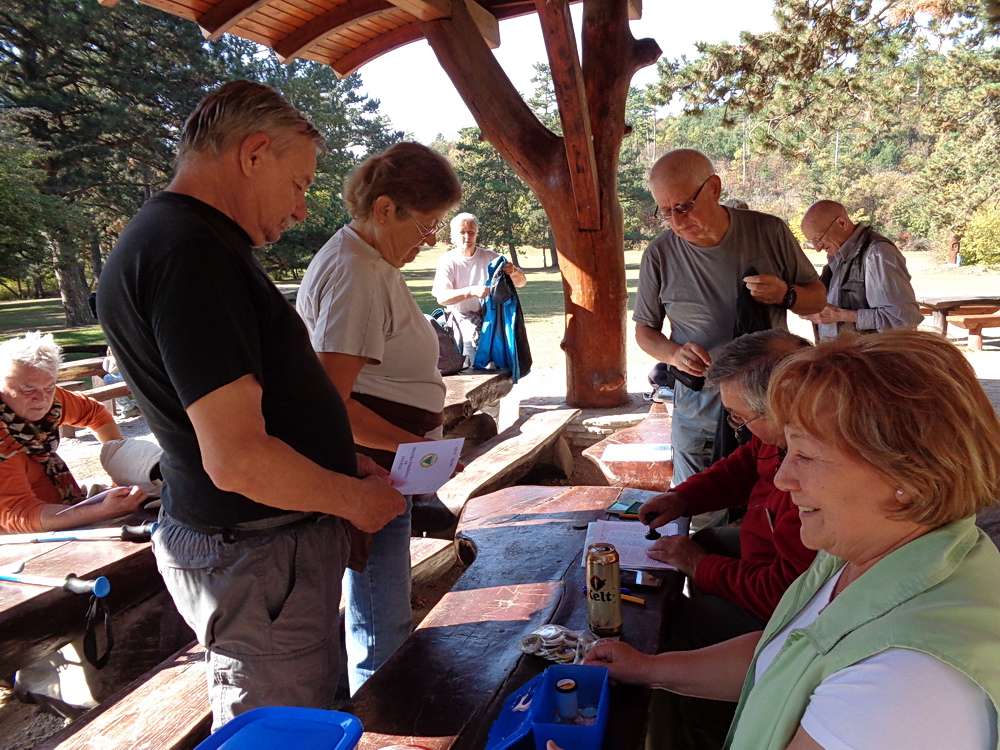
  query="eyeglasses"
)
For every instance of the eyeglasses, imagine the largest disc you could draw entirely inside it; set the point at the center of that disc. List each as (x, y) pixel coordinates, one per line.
(680, 208)
(737, 424)
(818, 244)
(424, 231)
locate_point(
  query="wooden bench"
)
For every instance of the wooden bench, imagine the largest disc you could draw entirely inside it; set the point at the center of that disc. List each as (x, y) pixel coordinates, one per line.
(502, 460)
(167, 708)
(941, 307)
(975, 325)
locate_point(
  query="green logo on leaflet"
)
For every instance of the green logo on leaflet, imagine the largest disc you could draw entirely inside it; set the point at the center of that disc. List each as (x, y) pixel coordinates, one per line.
(429, 460)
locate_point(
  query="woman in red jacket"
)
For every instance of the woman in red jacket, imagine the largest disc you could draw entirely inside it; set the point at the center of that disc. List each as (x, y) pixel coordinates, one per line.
(36, 486)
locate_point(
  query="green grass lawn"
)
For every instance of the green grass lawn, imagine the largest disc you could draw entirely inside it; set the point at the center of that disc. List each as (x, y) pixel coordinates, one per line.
(46, 315)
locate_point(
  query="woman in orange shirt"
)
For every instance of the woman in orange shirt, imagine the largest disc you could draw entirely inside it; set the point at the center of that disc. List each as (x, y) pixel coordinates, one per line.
(35, 483)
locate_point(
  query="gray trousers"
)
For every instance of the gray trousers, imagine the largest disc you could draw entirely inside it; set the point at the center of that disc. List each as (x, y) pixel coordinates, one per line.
(265, 609)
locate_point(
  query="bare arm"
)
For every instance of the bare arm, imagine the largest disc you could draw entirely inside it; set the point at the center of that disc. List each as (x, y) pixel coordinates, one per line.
(454, 296)
(239, 456)
(516, 275)
(370, 430)
(811, 298)
(716, 672)
(108, 432)
(690, 357)
(120, 501)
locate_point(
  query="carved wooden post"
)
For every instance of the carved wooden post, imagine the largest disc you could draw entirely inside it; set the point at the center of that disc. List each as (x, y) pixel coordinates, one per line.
(574, 177)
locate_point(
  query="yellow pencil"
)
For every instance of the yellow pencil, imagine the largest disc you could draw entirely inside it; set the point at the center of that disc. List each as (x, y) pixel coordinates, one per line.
(633, 599)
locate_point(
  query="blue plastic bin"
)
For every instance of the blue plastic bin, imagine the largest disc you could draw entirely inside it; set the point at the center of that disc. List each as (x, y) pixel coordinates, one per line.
(591, 690)
(528, 715)
(287, 728)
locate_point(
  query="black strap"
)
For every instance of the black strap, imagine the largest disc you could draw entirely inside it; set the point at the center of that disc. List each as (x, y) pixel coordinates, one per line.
(96, 610)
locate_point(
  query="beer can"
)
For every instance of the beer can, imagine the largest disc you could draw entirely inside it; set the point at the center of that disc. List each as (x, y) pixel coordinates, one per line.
(604, 590)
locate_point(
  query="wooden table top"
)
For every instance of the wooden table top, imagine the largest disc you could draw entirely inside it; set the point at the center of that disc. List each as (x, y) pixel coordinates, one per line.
(642, 475)
(37, 620)
(950, 303)
(446, 685)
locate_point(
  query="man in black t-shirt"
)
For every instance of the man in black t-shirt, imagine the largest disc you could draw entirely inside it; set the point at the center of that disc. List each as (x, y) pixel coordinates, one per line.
(259, 467)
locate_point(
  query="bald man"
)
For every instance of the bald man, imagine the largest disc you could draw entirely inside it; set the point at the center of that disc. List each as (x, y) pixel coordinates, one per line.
(868, 286)
(691, 275)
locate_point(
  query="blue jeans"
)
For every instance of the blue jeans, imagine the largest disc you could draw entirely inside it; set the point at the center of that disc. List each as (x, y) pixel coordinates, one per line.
(378, 617)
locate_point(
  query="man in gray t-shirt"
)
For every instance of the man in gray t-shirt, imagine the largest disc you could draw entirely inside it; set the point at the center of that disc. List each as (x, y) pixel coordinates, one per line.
(691, 275)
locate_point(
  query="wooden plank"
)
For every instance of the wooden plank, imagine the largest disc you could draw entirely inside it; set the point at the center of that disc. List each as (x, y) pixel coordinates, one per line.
(36, 620)
(470, 390)
(225, 14)
(164, 708)
(975, 321)
(643, 475)
(574, 114)
(108, 392)
(504, 459)
(82, 368)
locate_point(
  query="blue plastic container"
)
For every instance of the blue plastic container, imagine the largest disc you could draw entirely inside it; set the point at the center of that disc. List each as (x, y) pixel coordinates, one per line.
(287, 728)
(591, 690)
(528, 718)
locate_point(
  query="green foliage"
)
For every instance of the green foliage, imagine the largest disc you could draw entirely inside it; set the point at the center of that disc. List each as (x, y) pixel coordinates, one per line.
(892, 108)
(980, 243)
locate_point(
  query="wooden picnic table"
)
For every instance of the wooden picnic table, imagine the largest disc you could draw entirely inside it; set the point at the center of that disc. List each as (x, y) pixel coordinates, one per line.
(446, 684)
(470, 390)
(637, 474)
(942, 307)
(37, 620)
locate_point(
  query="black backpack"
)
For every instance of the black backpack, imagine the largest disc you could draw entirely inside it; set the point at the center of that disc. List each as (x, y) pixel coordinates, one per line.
(450, 357)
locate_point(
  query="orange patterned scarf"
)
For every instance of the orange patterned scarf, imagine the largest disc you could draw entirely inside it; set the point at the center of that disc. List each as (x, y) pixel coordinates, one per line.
(38, 440)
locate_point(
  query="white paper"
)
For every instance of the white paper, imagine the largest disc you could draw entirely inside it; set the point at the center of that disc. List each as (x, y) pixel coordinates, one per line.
(638, 452)
(629, 538)
(424, 467)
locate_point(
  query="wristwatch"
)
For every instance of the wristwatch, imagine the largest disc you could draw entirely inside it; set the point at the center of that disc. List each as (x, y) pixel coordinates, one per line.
(791, 297)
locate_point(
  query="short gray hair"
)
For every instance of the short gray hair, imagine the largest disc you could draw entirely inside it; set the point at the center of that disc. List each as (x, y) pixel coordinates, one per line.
(234, 111)
(456, 225)
(748, 362)
(34, 349)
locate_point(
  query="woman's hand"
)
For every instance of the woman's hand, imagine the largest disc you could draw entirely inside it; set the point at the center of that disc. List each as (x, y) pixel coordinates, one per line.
(624, 663)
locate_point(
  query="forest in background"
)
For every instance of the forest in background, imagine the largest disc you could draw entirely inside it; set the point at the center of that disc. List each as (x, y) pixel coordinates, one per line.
(891, 108)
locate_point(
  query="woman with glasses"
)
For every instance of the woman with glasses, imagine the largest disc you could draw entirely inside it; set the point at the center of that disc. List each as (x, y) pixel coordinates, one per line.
(461, 281)
(890, 638)
(381, 354)
(36, 486)
(737, 574)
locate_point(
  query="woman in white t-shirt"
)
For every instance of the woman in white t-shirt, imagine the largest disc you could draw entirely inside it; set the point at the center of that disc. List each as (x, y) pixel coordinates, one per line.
(381, 353)
(890, 639)
(461, 283)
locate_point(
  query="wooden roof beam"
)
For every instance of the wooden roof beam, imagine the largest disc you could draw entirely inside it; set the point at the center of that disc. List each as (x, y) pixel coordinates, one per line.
(299, 41)
(432, 10)
(108, 3)
(567, 80)
(225, 14)
(634, 10)
(403, 35)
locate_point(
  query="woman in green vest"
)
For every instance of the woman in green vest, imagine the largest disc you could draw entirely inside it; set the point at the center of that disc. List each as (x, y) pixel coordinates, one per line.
(891, 638)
